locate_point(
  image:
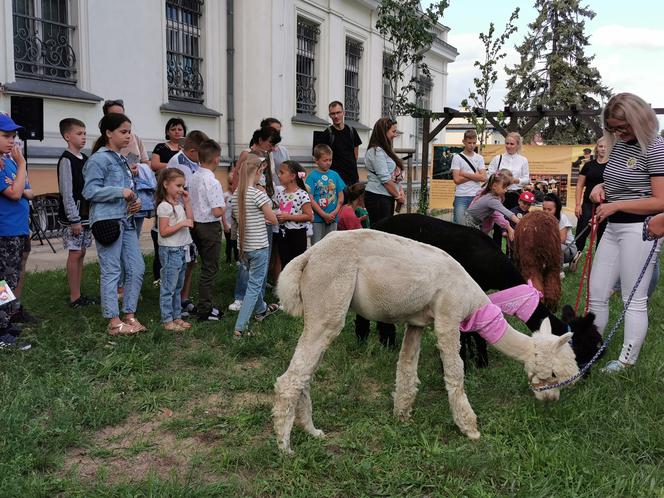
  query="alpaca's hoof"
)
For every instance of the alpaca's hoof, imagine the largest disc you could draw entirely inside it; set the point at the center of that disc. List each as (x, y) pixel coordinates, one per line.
(317, 433)
(473, 435)
(284, 447)
(402, 415)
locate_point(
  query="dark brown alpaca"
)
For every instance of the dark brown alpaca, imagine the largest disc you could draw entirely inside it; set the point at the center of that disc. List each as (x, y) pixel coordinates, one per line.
(537, 254)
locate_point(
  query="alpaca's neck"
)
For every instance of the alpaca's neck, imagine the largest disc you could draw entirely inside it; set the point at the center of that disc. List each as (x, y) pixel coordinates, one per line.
(515, 344)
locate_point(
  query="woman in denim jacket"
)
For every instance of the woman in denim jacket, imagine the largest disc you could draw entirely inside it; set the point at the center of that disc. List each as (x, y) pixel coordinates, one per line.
(109, 186)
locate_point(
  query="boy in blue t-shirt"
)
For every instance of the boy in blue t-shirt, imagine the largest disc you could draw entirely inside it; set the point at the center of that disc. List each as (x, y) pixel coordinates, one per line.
(327, 193)
(14, 230)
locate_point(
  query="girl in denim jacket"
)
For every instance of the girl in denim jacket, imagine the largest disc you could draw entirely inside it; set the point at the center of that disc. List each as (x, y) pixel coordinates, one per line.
(109, 186)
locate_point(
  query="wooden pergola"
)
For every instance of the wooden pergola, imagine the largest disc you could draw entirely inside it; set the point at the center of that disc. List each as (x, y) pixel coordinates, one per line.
(534, 117)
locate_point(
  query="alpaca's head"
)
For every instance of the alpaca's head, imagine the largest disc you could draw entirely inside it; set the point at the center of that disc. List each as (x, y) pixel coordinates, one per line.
(587, 339)
(552, 360)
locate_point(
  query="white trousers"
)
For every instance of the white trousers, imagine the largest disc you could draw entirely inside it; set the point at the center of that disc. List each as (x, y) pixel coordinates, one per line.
(622, 254)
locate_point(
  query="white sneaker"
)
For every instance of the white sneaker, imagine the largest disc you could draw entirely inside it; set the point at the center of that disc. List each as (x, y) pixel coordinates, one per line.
(235, 305)
(562, 275)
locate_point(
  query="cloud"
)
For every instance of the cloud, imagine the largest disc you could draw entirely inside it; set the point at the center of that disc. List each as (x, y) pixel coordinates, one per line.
(462, 71)
(620, 37)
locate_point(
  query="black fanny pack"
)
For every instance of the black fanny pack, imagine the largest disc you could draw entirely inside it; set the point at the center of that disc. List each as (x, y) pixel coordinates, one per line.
(106, 231)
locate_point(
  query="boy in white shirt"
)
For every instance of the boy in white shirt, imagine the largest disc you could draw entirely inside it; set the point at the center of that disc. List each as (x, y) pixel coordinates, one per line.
(468, 171)
(208, 206)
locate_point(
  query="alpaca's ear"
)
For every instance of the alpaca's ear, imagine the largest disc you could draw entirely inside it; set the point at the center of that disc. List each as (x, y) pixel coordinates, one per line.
(545, 328)
(564, 339)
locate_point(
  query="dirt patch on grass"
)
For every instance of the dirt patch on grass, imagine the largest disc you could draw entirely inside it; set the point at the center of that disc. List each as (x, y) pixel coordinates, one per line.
(132, 451)
(137, 448)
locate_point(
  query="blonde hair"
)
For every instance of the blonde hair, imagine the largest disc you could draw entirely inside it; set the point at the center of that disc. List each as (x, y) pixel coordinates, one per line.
(600, 139)
(247, 174)
(517, 137)
(637, 113)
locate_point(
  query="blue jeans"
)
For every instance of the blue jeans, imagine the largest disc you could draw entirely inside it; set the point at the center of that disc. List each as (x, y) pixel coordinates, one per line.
(243, 274)
(123, 253)
(257, 262)
(173, 269)
(461, 203)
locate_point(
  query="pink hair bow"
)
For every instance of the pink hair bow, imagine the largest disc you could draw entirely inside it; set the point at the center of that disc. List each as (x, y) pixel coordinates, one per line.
(301, 174)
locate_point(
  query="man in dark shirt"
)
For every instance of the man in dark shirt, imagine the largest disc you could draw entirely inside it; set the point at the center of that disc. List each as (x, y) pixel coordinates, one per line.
(344, 141)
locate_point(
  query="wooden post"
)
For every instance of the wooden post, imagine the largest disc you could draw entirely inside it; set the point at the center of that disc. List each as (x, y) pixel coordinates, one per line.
(425, 160)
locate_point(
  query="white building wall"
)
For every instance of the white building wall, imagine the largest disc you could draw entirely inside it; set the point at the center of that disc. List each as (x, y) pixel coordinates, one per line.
(121, 53)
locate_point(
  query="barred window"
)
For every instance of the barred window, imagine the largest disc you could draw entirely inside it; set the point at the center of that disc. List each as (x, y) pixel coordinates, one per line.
(183, 54)
(352, 79)
(42, 40)
(388, 94)
(305, 75)
(423, 101)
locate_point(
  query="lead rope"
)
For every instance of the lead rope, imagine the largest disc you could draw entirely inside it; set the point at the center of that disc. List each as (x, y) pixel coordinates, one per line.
(587, 265)
(605, 344)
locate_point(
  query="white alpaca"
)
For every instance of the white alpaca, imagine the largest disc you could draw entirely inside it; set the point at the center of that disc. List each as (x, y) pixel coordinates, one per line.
(392, 279)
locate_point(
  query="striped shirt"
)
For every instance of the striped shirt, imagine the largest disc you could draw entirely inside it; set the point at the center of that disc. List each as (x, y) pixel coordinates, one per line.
(628, 172)
(255, 233)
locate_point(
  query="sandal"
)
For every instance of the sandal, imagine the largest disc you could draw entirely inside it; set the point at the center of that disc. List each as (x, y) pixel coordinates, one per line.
(237, 334)
(270, 310)
(121, 328)
(182, 323)
(136, 324)
(173, 327)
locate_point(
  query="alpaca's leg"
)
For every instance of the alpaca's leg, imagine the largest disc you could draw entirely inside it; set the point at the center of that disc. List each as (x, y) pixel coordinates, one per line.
(292, 399)
(448, 344)
(303, 414)
(407, 381)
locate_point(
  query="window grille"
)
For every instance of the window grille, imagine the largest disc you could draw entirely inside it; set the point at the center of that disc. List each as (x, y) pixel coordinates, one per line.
(424, 86)
(307, 39)
(352, 79)
(183, 54)
(388, 94)
(42, 40)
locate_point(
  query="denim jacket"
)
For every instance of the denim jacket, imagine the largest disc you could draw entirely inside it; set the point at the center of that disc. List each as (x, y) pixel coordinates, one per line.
(106, 176)
(146, 186)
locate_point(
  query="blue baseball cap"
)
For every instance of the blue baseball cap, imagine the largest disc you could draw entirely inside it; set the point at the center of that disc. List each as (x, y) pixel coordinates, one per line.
(7, 123)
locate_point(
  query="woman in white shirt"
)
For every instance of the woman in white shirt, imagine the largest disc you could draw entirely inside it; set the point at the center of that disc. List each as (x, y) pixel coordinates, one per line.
(517, 164)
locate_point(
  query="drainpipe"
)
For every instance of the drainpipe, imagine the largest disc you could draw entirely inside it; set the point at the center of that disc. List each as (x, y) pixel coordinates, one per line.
(230, 79)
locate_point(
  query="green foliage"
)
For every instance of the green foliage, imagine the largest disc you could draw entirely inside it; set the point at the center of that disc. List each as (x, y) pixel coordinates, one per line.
(603, 438)
(479, 98)
(555, 72)
(408, 32)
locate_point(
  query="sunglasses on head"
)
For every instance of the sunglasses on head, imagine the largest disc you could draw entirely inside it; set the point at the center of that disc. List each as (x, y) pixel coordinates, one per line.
(111, 103)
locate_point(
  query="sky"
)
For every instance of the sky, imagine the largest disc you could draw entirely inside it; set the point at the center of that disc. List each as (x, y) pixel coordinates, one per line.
(627, 39)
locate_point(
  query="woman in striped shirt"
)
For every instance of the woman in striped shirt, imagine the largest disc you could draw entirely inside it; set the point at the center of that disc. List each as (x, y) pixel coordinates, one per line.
(633, 189)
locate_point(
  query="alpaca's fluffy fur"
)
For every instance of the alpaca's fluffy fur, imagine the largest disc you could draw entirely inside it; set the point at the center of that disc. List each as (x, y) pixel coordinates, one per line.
(537, 254)
(366, 270)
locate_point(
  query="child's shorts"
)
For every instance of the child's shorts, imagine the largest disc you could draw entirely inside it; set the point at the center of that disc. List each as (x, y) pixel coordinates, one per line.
(77, 242)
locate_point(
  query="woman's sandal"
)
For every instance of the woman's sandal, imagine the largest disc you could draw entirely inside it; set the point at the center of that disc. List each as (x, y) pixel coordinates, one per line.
(182, 323)
(173, 327)
(237, 334)
(270, 310)
(121, 328)
(135, 324)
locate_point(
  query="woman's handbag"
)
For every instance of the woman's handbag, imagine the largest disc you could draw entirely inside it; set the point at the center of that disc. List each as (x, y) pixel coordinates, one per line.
(106, 231)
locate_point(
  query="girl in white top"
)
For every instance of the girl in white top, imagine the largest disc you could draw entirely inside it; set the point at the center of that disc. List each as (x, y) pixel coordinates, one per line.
(175, 219)
(516, 164)
(294, 211)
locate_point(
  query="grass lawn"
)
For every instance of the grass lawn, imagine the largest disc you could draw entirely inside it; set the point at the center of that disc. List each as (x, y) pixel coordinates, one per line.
(189, 415)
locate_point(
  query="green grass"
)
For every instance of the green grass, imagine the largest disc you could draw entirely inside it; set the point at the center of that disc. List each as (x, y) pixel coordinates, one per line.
(189, 415)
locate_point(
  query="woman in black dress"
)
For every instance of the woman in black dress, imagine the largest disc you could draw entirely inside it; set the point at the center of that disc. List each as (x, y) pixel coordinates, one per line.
(591, 174)
(162, 153)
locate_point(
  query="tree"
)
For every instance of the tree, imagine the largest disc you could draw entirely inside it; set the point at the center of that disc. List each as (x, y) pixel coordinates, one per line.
(479, 98)
(554, 71)
(408, 32)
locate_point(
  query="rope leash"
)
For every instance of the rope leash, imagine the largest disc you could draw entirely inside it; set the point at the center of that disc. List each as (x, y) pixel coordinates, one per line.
(587, 265)
(605, 344)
